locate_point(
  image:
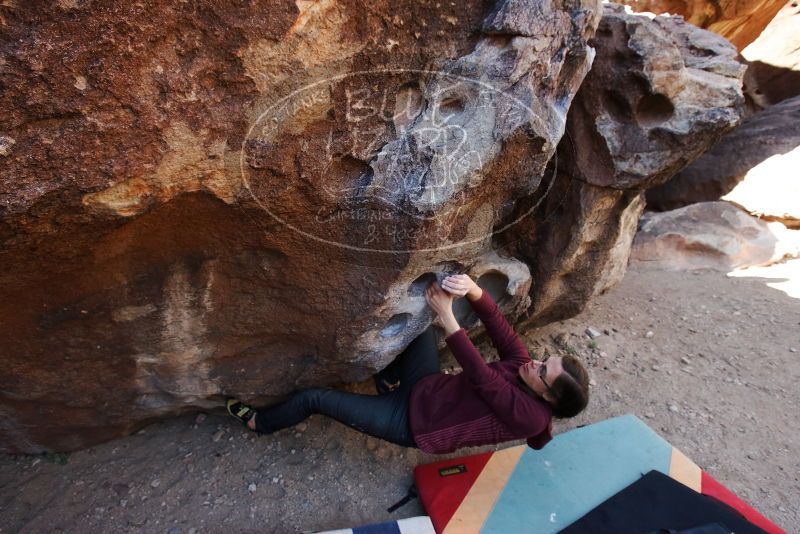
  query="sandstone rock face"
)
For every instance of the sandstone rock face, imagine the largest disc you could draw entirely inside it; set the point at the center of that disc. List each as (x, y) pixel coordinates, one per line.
(773, 72)
(771, 189)
(199, 202)
(203, 200)
(739, 21)
(765, 146)
(710, 235)
(659, 93)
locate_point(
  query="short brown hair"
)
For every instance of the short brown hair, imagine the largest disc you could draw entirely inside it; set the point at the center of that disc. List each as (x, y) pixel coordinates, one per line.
(570, 389)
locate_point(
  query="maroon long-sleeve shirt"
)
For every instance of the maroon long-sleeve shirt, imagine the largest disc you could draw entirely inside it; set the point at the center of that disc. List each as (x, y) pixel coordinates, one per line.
(484, 404)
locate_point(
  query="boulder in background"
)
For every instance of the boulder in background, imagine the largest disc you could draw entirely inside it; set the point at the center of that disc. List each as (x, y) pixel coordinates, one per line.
(710, 235)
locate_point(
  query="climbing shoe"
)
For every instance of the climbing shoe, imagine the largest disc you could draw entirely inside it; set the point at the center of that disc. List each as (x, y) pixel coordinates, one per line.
(239, 410)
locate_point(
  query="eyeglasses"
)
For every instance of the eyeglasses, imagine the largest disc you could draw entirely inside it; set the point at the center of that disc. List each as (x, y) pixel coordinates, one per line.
(543, 373)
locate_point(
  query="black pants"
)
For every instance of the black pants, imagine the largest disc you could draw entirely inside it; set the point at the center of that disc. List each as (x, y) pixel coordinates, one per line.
(382, 416)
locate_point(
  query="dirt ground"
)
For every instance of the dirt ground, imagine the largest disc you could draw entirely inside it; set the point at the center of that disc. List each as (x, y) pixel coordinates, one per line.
(708, 361)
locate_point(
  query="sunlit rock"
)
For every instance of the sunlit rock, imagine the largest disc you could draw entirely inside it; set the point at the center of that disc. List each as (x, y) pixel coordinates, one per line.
(710, 235)
(739, 21)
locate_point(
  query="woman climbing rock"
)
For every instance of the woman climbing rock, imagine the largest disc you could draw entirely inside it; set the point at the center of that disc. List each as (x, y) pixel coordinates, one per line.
(419, 406)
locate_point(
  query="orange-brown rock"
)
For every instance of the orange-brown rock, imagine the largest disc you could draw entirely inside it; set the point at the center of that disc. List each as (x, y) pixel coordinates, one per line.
(739, 21)
(773, 72)
(208, 199)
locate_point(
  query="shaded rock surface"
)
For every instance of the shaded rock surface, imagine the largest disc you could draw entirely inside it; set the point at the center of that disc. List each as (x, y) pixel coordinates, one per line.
(760, 151)
(712, 235)
(659, 93)
(739, 21)
(219, 199)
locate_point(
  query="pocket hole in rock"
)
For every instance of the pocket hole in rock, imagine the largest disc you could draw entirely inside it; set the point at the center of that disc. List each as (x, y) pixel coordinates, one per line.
(395, 325)
(496, 284)
(617, 106)
(417, 287)
(654, 109)
(463, 313)
(408, 105)
(451, 106)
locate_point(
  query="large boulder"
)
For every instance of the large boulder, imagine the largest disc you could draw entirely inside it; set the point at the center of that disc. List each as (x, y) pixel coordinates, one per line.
(739, 21)
(202, 200)
(222, 200)
(660, 93)
(710, 235)
(765, 149)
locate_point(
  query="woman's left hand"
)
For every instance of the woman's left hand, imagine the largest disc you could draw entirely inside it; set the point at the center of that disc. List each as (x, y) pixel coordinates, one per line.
(439, 300)
(461, 285)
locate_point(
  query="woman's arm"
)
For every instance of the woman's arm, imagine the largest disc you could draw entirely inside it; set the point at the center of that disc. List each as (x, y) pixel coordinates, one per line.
(449, 322)
(441, 302)
(509, 345)
(509, 403)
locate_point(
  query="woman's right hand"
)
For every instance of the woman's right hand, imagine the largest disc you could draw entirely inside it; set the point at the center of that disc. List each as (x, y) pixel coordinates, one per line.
(462, 285)
(440, 301)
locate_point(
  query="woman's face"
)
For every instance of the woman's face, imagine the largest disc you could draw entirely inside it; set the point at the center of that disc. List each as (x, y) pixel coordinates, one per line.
(541, 375)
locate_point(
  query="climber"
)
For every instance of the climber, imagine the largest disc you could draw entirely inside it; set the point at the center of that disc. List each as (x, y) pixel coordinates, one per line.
(419, 406)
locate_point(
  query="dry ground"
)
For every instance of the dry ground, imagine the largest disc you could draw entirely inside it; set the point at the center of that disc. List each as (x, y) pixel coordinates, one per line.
(710, 362)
